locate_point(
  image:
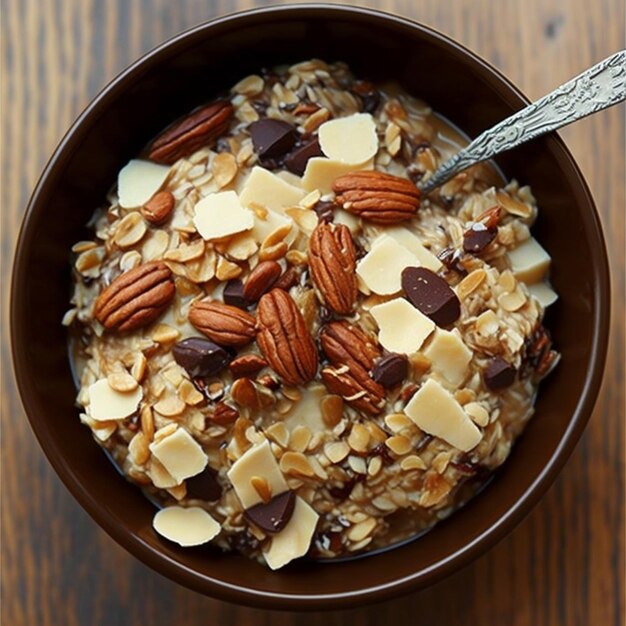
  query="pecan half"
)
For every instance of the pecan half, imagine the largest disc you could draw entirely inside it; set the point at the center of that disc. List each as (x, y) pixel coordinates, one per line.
(343, 343)
(261, 278)
(135, 298)
(378, 197)
(223, 415)
(352, 354)
(247, 365)
(284, 338)
(332, 260)
(226, 325)
(197, 129)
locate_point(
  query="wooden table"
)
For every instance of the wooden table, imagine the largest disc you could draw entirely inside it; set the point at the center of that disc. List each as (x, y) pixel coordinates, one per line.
(562, 566)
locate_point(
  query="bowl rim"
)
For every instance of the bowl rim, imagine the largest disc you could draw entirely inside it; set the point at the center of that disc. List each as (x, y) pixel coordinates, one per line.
(220, 589)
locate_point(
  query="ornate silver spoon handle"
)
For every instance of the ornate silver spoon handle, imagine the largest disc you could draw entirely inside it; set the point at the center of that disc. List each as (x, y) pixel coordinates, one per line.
(599, 87)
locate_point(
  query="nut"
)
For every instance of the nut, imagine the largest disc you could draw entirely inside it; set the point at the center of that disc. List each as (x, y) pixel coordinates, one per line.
(224, 415)
(378, 197)
(289, 279)
(260, 280)
(332, 260)
(244, 393)
(284, 338)
(225, 324)
(343, 343)
(158, 209)
(247, 365)
(197, 129)
(135, 298)
(352, 354)
(130, 230)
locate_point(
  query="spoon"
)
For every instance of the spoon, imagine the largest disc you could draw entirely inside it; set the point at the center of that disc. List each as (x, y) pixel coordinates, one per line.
(597, 88)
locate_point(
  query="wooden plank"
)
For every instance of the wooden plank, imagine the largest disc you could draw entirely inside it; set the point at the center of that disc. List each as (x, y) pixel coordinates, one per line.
(562, 566)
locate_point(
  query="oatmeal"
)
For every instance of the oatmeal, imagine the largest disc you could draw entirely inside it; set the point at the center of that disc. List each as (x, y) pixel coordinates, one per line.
(289, 348)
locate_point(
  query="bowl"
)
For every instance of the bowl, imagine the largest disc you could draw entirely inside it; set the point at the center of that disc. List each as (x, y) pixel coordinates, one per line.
(193, 68)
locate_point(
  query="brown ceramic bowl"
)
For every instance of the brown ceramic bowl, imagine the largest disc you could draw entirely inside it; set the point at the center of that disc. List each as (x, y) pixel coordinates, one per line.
(191, 69)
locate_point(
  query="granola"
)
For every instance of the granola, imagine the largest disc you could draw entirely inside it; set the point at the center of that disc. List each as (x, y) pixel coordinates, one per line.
(289, 348)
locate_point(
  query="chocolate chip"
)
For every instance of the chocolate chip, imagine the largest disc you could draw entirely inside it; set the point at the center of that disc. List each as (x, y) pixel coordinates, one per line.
(297, 159)
(499, 374)
(451, 258)
(272, 138)
(370, 97)
(390, 370)
(272, 516)
(325, 210)
(431, 295)
(233, 294)
(478, 237)
(204, 486)
(200, 357)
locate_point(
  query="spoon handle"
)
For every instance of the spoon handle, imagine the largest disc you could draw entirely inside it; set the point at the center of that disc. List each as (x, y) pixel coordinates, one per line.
(597, 88)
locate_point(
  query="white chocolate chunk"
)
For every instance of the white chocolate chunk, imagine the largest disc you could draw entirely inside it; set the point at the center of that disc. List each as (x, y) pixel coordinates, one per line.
(257, 461)
(320, 173)
(347, 219)
(449, 355)
(529, 261)
(401, 327)
(186, 526)
(407, 239)
(221, 214)
(294, 540)
(138, 181)
(180, 454)
(268, 190)
(437, 413)
(381, 268)
(350, 139)
(105, 403)
(269, 223)
(544, 294)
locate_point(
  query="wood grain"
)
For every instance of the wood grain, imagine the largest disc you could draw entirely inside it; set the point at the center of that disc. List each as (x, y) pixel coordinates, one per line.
(564, 565)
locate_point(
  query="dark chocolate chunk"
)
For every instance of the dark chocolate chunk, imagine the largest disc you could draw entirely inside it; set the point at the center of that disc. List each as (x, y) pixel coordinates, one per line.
(478, 237)
(431, 295)
(204, 486)
(272, 516)
(233, 294)
(272, 138)
(325, 210)
(499, 374)
(390, 370)
(200, 357)
(297, 159)
(452, 260)
(369, 95)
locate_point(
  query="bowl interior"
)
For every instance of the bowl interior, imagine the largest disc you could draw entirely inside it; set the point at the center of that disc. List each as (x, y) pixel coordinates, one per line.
(193, 69)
